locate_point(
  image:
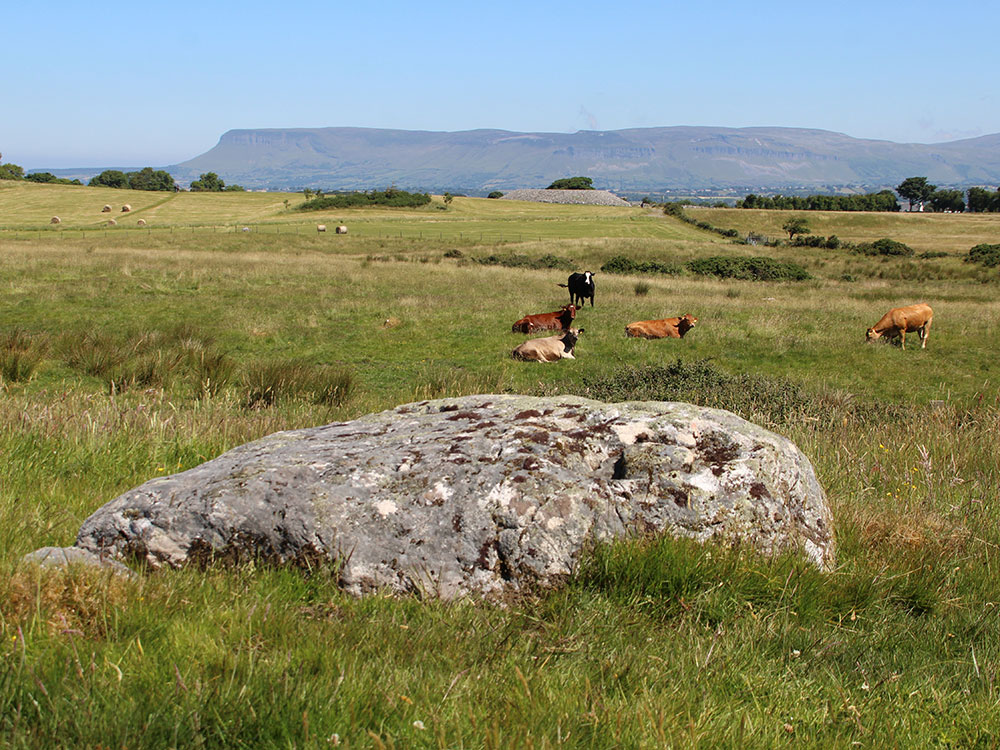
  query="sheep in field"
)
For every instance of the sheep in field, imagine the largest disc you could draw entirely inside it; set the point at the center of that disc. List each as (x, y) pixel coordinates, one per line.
(321, 227)
(341, 229)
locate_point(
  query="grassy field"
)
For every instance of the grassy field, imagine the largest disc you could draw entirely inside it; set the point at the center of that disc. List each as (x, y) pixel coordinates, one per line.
(127, 354)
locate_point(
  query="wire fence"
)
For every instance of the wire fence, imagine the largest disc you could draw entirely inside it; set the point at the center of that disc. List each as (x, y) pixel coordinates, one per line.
(267, 229)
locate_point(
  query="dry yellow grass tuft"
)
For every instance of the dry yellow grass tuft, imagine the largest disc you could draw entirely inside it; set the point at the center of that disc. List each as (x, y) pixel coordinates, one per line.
(75, 600)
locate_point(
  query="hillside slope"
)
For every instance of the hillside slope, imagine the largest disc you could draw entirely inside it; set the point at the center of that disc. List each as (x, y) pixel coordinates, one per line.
(644, 159)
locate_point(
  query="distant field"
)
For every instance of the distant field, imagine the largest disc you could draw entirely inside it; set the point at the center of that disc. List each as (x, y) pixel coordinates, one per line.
(127, 354)
(924, 232)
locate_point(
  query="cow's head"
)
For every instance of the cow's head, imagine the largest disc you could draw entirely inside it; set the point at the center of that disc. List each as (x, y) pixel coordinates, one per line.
(569, 338)
(872, 334)
(686, 323)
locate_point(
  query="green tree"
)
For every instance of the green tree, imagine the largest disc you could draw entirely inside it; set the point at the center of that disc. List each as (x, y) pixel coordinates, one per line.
(11, 172)
(981, 200)
(112, 178)
(795, 225)
(448, 197)
(495, 194)
(572, 183)
(947, 200)
(234, 189)
(149, 179)
(915, 190)
(208, 182)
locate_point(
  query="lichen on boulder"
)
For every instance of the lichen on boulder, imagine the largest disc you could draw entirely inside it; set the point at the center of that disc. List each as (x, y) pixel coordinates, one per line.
(476, 495)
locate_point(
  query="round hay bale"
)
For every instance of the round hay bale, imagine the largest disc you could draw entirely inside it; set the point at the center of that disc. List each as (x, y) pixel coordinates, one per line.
(141, 222)
(341, 229)
(55, 220)
(321, 227)
(112, 223)
(106, 209)
(126, 208)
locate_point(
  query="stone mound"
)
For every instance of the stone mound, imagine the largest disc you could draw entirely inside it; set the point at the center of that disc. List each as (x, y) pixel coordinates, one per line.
(477, 495)
(581, 197)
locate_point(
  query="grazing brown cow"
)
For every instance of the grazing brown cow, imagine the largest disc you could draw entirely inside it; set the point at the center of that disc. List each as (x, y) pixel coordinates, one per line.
(550, 348)
(561, 318)
(900, 321)
(668, 328)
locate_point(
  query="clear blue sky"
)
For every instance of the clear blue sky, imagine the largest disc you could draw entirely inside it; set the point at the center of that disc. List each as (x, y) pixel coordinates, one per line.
(136, 84)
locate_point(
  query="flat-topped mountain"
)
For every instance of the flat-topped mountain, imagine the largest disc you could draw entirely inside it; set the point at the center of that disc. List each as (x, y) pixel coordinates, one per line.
(642, 159)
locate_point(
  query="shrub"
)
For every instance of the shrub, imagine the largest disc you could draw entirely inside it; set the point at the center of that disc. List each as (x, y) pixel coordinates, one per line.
(758, 398)
(389, 197)
(641, 289)
(884, 246)
(757, 268)
(21, 354)
(572, 183)
(526, 261)
(267, 383)
(495, 194)
(984, 254)
(622, 264)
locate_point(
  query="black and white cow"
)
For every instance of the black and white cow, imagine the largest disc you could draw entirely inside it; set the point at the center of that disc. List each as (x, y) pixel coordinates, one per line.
(581, 287)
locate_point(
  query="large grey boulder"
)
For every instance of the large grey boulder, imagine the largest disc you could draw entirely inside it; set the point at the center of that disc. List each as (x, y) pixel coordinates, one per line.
(476, 494)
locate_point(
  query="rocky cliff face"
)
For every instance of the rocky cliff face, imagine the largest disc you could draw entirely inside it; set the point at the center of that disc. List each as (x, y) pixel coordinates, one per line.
(639, 159)
(476, 495)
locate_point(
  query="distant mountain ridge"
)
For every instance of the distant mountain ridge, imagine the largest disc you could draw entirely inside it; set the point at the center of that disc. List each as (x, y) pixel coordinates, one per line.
(638, 159)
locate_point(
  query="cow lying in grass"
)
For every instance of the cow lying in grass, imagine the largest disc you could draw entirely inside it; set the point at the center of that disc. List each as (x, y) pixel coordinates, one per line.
(561, 318)
(668, 328)
(900, 321)
(550, 348)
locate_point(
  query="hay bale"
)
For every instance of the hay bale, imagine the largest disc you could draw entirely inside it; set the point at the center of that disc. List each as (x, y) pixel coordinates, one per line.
(341, 229)
(106, 209)
(55, 220)
(141, 222)
(321, 227)
(112, 223)
(126, 208)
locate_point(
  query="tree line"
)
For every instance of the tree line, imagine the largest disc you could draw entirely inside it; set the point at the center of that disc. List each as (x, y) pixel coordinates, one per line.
(146, 178)
(917, 191)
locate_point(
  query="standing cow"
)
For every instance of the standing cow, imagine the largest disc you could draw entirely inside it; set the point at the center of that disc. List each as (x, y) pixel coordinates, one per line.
(900, 321)
(581, 288)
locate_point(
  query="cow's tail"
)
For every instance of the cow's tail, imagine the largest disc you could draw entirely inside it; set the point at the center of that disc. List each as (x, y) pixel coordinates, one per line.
(564, 286)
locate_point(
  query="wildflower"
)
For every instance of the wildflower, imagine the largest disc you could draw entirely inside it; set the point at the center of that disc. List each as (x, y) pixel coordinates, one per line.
(419, 724)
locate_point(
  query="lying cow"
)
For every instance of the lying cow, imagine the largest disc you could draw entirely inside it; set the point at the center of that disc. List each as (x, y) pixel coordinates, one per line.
(668, 328)
(561, 318)
(550, 348)
(581, 287)
(900, 321)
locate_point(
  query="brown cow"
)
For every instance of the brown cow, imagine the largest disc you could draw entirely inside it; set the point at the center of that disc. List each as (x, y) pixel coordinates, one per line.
(560, 319)
(668, 328)
(900, 321)
(550, 348)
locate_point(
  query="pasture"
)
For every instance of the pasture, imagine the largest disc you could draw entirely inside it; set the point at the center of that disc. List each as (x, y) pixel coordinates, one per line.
(127, 353)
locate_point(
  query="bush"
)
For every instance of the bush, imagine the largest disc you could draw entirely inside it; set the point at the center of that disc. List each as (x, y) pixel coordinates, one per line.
(526, 261)
(622, 264)
(757, 268)
(984, 254)
(572, 183)
(390, 197)
(495, 194)
(758, 398)
(884, 246)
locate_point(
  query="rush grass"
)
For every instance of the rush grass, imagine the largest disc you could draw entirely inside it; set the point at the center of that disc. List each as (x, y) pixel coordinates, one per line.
(653, 643)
